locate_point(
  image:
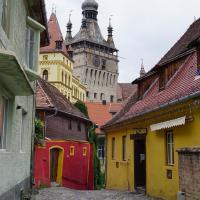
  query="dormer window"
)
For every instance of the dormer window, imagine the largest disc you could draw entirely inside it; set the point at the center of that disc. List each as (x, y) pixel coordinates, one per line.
(59, 44)
(162, 81)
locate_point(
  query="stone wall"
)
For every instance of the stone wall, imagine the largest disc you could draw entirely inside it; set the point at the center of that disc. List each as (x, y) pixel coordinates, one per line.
(189, 172)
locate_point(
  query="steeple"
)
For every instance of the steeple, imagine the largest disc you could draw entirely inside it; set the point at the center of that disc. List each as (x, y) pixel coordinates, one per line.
(142, 70)
(69, 29)
(110, 34)
(90, 9)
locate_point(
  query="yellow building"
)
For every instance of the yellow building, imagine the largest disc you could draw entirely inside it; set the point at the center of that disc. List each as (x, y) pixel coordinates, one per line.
(56, 65)
(163, 116)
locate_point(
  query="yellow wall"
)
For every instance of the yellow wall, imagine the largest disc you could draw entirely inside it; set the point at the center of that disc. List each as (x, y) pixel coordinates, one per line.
(122, 177)
(57, 64)
(158, 185)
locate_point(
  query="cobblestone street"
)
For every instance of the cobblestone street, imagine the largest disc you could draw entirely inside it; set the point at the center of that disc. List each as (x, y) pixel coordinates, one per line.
(58, 193)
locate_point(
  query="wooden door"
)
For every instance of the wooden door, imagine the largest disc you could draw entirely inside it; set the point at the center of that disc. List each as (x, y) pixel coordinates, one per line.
(54, 164)
(140, 162)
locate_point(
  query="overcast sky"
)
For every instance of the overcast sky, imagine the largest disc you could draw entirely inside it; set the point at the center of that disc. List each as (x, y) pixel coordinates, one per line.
(142, 29)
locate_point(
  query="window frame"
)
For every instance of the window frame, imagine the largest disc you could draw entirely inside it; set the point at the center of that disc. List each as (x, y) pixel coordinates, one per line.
(113, 148)
(30, 48)
(3, 141)
(124, 148)
(169, 137)
(100, 151)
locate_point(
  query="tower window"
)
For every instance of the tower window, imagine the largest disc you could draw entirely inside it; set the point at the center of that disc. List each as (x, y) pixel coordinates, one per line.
(45, 75)
(95, 95)
(58, 45)
(111, 98)
(103, 64)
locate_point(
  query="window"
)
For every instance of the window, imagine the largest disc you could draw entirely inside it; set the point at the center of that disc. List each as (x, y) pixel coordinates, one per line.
(113, 148)
(170, 148)
(59, 45)
(70, 125)
(5, 20)
(84, 151)
(103, 64)
(162, 81)
(79, 126)
(45, 57)
(87, 94)
(62, 76)
(3, 121)
(95, 95)
(45, 75)
(124, 148)
(100, 151)
(111, 99)
(29, 48)
(72, 151)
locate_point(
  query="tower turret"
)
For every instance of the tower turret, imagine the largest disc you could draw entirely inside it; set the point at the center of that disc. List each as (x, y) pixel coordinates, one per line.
(110, 34)
(142, 70)
(69, 29)
(90, 9)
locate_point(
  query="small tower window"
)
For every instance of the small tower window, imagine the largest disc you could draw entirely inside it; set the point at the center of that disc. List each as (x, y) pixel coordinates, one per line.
(45, 75)
(58, 45)
(103, 64)
(111, 98)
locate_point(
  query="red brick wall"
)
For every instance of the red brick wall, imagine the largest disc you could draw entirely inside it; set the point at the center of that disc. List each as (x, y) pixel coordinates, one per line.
(189, 172)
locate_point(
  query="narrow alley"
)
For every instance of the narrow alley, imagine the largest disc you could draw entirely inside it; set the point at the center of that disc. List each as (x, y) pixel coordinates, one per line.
(59, 193)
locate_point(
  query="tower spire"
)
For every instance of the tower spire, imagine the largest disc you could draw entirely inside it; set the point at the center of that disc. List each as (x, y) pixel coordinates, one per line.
(69, 28)
(110, 33)
(142, 70)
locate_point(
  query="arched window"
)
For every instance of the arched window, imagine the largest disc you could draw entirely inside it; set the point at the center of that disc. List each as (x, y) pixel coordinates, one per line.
(65, 79)
(69, 80)
(45, 75)
(62, 76)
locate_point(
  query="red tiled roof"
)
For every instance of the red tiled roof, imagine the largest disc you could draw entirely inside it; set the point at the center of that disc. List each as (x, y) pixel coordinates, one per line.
(55, 34)
(182, 84)
(125, 90)
(100, 114)
(48, 97)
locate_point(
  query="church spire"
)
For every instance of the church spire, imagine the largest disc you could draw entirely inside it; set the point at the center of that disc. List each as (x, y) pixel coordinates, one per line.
(69, 28)
(142, 70)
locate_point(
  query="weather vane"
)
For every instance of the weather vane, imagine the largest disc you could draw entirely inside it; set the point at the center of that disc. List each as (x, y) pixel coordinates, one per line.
(70, 14)
(110, 19)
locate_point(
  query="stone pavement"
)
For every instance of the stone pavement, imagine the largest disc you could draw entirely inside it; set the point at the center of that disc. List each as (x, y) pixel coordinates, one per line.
(59, 193)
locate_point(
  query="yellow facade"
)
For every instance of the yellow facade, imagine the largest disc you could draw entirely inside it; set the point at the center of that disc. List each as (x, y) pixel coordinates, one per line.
(157, 183)
(59, 69)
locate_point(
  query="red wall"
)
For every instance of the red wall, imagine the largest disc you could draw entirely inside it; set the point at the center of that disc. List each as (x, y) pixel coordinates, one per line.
(78, 170)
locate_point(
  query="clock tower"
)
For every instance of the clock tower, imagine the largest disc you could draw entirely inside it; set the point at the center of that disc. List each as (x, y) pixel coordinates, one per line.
(96, 59)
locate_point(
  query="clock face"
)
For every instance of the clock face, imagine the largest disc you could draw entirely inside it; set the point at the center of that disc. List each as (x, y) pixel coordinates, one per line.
(96, 61)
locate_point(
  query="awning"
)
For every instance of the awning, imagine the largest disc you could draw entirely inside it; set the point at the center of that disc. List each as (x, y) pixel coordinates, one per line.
(168, 124)
(12, 75)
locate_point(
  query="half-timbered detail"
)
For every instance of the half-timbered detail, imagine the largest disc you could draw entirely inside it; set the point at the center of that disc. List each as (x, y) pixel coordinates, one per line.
(65, 158)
